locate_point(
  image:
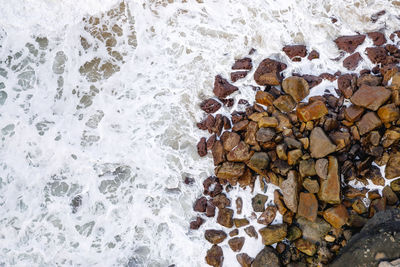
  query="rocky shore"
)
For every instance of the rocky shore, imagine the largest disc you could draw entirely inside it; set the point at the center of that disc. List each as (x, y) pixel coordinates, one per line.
(312, 150)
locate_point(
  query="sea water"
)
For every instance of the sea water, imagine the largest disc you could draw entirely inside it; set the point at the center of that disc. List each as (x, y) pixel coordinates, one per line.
(100, 98)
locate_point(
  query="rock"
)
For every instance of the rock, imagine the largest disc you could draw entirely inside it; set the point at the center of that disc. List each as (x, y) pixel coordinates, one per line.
(395, 185)
(278, 201)
(321, 168)
(305, 246)
(290, 190)
(368, 123)
(337, 216)
(222, 88)
(349, 43)
(341, 139)
(215, 256)
(268, 122)
(311, 186)
(240, 153)
(370, 97)
(221, 201)
(200, 205)
(311, 111)
(265, 135)
(389, 113)
(225, 217)
(296, 87)
(207, 123)
(251, 231)
(312, 80)
(377, 37)
(258, 202)
(239, 205)
(280, 167)
(313, 231)
(236, 243)
(390, 196)
(230, 140)
(308, 206)
(234, 232)
(240, 222)
(292, 143)
(281, 151)
(392, 169)
(230, 171)
(218, 153)
(214, 236)
(313, 55)
(346, 84)
(212, 186)
(294, 156)
(211, 141)
(328, 76)
(267, 257)
(307, 168)
(210, 209)
(202, 147)
(273, 233)
(377, 55)
(285, 103)
(268, 72)
(370, 80)
(268, 216)
(210, 105)
(351, 62)
(359, 206)
(259, 162)
(243, 64)
(244, 259)
(264, 98)
(237, 75)
(295, 52)
(294, 233)
(250, 135)
(194, 225)
(240, 126)
(329, 189)
(353, 113)
(246, 179)
(320, 144)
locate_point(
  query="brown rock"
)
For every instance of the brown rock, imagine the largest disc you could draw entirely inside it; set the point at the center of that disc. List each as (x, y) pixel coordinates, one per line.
(313, 231)
(285, 103)
(237, 75)
(377, 37)
(234, 232)
(370, 80)
(353, 113)
(389, 113)
(267, 257)
(236, 243)
(395, 185)
(310, 185)
(239, 205)
(359, 206)
(305, 246)
(259, 162)
(327, 76)
(221, 201)
(368, 123)
(281, 151)
(202, 147)
(312, 80)
(240, 153)
(273, 233)
(295, 52)
(240, 222)
(349, 43)
(308, 206)
(225, 217)
(215, 236)
(307, 168)
(230, 140)
(268, 72)
(329, 190)
(200, 205)
(258, 202)
(390, 196)
(250, 135)
(210, 105)
(268, 216)
(240, 126)
(351, 62)
(211, 141)
(207, 123)
(243, 64)
(265, 135)
(392, 169)
(264, 98)
(296, 87)
(268, 122)
(218, 153)
(215, 256)
(294, 156)
(341, 139)
(346, 84)
(194, 225)
(320, 144)
(251, 231)
(321, 168)
(290, 191)
(377, 54)
(230, 170)
(222, 88)
(278, 201)
(244, 259)
(336, 216)
(210, 209)
(371, 97)
(311, 111)
(313, 55)
(246, 179)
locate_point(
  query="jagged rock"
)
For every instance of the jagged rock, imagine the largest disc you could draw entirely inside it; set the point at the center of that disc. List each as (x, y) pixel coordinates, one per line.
(337, 216)
(244, 259)
(321, 168)
(221, 201)
(392, 169)
(307, 168)
(273, 233)
(369, 79)
(265, 135)
(349, 43)
(251, 231)
(243, 64)
(214, 236)
(215, 256)
(236, 243)
(285, 103)
(389, 113)
(258, 202)
(308, 206)
(368, 123)
(264, 98)
(202, 147)
(240, 222)
(311, 186)
(237, 75)
(210, 105)
(296, 87)
(294, 233)
(268, 216)
(222, 88)
(377, 55)
(230, 140)
(200, 205)
(320, 144)
(250, 135)
(347, 84)
(294, 156)
(377, 38)
(329, 190)
(218, 153)
(305, 246)
(240, 153)
(370, 97)
(313, 55)
(268, 122)
(268, 72)
(230, 171)
(259, 162)
(290, 190)
(313, 231)
(351, 62)
(295, 52)
(225, 217)
(267, 258)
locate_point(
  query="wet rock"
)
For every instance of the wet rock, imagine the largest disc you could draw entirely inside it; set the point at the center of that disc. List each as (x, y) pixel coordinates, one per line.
(76, 202)
(281, 151)
(268, 122)
(313, 55)
(246, 179)
(250, 135)
(351, 62)
(389, 113)
(340, 139)
(312, 80)
(310, 185)
(230, 140)
(240, 153)
(295, 52)
(370, 97)
(210, 209)
(294, 156)
(308, 206)
(265, 135)
(264, 98)
(346, 84)
(267, 258)
(210, 105)
(268, 216)
(305, 246)
(329, 190)
(313, 231)
(353, 113)
(251, 231)
(359, 206)
(390, 196)
(236, 243)
(200, 205)
(244, 259)
(392, 169)
(218, 153)
(268, 72)
(258, 202)
(230, 170)
(225, 217)
(273, 233)
(290, 190)
(259, 162)
(202, 147)
(214, 236)
(211, 141)
(296, 87)
(369, 80)
(240, 222)
(311, 111)
(377, 38)
(240, 126)
(207, 123)
(243, 64)
(294, 233)
(395, 185)
(239, 205)
(215, 256)
(377, 54)
(285, 103)
(237, 75)
(368, 123)
(337, 216)
(234, 232)
(349, 43)
(320, 144)
(222, 88)
(280, 167)
(194, 225)
(221, 201)
(212, 186)
(292, 143)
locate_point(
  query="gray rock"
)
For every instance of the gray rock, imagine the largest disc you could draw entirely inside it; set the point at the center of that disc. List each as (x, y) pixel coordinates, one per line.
(267, 258)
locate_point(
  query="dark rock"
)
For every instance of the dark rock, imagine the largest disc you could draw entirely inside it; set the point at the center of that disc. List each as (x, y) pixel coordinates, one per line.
(200, 205)
(222, 88)
(265, 134)
(377, 37)
(280, 167)
(392, 169)
(211, 141)
(268, 72)
(194, 225)
(313, 55)
(237, 75)
(236, 243)
(202, 147)
(351, 62)
(210, 105)
(268, 216)
(273, 233)
(320, 144)
(295, 51)
(207, 123)
(210, 209)
(228, 102)
(377, 55)
(212, 187)
(214, 236)
(267, 258)
(215, 256)
(258, 202)
(329, 190)
(308, 206)
(377, 15)
(251, 231)
(244, 259)
(390, 196)
(346, 84)
(368, 123)
(225, 217)
(327, 76)
(221, 201)
(218, 153)
(259, 162)
(243, 64)
(312, 80)
(189, 181)
(76, 203)
(349, 43)
(371, 97)
(296, 87)
(290, 190)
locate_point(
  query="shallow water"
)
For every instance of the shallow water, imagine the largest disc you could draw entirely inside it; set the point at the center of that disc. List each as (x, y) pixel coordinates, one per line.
(100, 99)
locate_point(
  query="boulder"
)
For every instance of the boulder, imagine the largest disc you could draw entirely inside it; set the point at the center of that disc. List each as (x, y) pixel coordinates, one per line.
(222, 88)
(392, 169)
(268, 72)
(370, 97)
(267, 257)
(236, 243)
(351, 62)
(290, 190)
(225, 217)
(389, 113)
(329, 190)
(273, 233)
(243, 64)
(296, 87)
(258, 202)
(377, 55)
(320, 144)
(308, 206)
(284, 103)
(214, 236)
(215, 256)
(311, 111)
(264, 98)
(349, 43)
(368, 122)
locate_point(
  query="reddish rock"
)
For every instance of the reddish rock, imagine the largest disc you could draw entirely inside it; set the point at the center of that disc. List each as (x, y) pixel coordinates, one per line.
(202, 147)
(290, 190)
(308, 206)
(312, 80)
(369, 79)
(222, 88)
(214, 236)
(346, 84)
(371, 97)
(336, 216)
(221, 201)
(351, 62)
(296, 87)
(311, 111)
(273, 233)
(237, 75)
(295, 52)
(264, 98)
(268, 216)
(225, 217)
(394, 35)
(210, 105)
(200, 205)
(236, 243)
(353, 113)
(327, 76)
(329, 190)
(313, 55)
(210, 209)
(389, 113)
(243, 64)
(215, 256)
(377, 37)
(368, 123)
(211, 141)
(268, 72)
(207, 123)
(377, 54)
(194, 225)
(349, 43)
(218, 153)
(320, 144)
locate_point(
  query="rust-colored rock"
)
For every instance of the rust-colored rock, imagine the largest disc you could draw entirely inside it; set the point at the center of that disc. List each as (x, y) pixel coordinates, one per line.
(296, 87)
(294, 156)
(268, 216)
(320, 144)
(244, 259)
(351, 62)
(243, 64)
(194, 225)
(215, 256)
(336, 216)
(230, 140)
(240, 222)
(264, 98)
(295, 52)
(222, 88)
(349, 43)
(313, 55)
(285, 103)
(214, 236)
(389, 113)
(225, 217)
(240, 153)
(308, 206)
(353, 113)
(359, 206)
(268, 72)
(310, 185)
(250, 135)
(290, 190)
(371, 97)
(392, 169)
(230, 170)
(236, 243)
(218, 153)
(259, 162)
(377, 37)
(329, 190)
(273, 233)
(368, 122)
(377, 54)
(237, 75)
(311, 111)
(305, 246)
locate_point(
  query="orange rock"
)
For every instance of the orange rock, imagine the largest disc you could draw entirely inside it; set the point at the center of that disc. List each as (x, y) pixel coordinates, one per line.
(336, 216)
(329, 190)
(389, 113)
(353, 113)
(308, 206)
(264, 98)
(312, 111)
